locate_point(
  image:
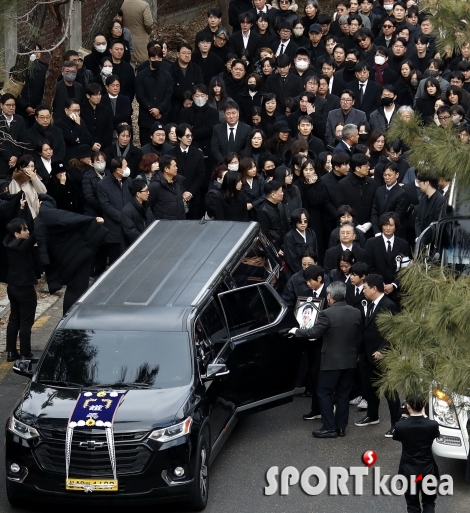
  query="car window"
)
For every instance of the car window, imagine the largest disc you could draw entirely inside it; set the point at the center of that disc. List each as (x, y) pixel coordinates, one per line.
(212, 319)
(273, 307)
(245, 310)
(256, 266)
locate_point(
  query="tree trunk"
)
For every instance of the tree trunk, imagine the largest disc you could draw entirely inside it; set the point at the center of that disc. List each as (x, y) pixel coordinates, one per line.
(223, 6)
(102, 20)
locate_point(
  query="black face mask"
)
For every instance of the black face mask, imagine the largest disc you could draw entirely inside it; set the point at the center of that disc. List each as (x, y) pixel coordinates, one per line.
(386, 102)
(350, 65)
(155, 65)
(363, 138)
(252, 87)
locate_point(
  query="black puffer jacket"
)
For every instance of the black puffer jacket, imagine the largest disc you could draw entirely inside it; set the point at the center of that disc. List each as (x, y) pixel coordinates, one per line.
(273, 222)
(212, 192)
(90, 183)
(166, 200)
(135, 218)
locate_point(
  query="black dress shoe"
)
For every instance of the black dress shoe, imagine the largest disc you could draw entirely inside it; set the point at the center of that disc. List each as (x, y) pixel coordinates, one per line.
(12, 356)
(325, 433)
(311, 416)
(30, 356)
(341, 432)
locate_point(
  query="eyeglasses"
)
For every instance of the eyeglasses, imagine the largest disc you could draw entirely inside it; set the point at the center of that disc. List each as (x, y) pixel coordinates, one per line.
(189, 136)
(45, 117)
(443, 118)
(345, 100)
(387, 26)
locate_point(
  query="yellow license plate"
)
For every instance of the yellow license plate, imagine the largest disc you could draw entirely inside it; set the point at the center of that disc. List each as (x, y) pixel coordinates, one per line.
(91, 485)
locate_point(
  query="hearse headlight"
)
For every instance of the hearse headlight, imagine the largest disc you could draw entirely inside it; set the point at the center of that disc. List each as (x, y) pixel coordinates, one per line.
(444, 409)
(21, 429)
(172, 432)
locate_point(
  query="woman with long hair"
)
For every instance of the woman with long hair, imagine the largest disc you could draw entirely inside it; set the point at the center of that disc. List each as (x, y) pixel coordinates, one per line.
(263, 28)
(44, 152)
(292, 199)
(251, 97)
(376, 145)
(280, 141)
(405, 94)
(25, 179)
(231, 202)
(255, 146)
(314, 199)
(218, 96)
(425, 104)
(344, 263)
(252, 186)
(269, 115)
(323, 163)
(215, 184)
(298, 239)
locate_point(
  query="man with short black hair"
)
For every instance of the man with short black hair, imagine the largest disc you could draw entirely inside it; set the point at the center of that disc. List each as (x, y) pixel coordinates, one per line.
(382, 117)
(366, 91)
(346, 114)
(214, 21)
(122, 69)
(210, 64)
(305, 127)
(271, 216)
(245, 43)
(66, 89)
(283, 84)
(316, 47)
(430, 205)
(346, 243)
(44, 129)
(97, 118)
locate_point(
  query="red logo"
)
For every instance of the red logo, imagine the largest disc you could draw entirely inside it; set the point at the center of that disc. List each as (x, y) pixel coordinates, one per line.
(369, 458)
(419, 478)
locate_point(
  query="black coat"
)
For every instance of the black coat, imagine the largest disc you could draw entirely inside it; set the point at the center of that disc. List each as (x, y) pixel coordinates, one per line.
(397, 201)
(371, 98)
(66, 242)
(123, 109)
(33, 90)
(291, 87)
(352, 299)
(402, 164)
(210, 66)
(21, 263)
(246, 103)
(360, 239)
(358, 193)
(53, 134)
(8, 149)
(66, 196)
(273, 223)
(41, 168)
(211, 196)
(92, 61)
(296, 287)
(90, 183)
(331, 181)
(428, 211)
(99, 123)
(161, 149)
(319, 118)
(191, 167)
(235, 8)
(384, 263)
(74, 135)
(295, 245)
(181, 84)
(251, 51)
(126, 75)
(166, 200)
(133, 157)
(62, 95)
(234, 210)
(203, 121)
(332, 254)
(235, 88)
(219, 143)
(254, 195)
(135, 219)
(112, 198)
(372, 340)
(153, 90)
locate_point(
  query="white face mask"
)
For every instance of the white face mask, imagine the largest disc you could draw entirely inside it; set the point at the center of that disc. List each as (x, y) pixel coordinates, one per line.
(32, 57)
(232, 167)
(302, 65)
(388, 7)
(200, 102)
(298, 32)
(100, 48)
(456, 119)
(379, 60)
(106, 70)
(100, 166)
(126, 172)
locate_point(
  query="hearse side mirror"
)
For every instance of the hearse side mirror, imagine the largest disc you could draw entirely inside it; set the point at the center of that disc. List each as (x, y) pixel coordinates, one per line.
(23, 368)
(214, 371)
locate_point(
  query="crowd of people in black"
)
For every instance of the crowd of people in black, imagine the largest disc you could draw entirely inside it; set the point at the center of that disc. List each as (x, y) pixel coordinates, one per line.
(282, 120)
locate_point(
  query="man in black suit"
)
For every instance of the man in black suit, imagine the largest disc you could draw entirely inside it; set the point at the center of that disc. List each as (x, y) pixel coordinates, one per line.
(413, 194)
(390, 198)
(355, 285)
(261, 6)
(229, 136)
(316, 47)
(245, 43)
(368, 93)
(190, 162)
(358, 191)
(67, 88)
(386, 254)
(310, 105)
(373, 344)
(210, 64)
(284, 45)
(349, 138)
(122, 69)
(323, 92)
(283, 84)
(430, 205)
(296, 286)
(417, 434)
(339, 326)
(335, 85)
(347, 235)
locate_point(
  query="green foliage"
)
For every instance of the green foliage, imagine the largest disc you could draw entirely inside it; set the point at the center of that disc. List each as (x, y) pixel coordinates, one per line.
(429, 338)
(451, 21)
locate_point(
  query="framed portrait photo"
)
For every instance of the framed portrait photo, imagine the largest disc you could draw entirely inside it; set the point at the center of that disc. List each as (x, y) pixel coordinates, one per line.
(307, 310)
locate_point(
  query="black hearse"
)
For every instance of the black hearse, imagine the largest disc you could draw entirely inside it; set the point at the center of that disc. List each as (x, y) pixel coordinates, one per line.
(186, 324)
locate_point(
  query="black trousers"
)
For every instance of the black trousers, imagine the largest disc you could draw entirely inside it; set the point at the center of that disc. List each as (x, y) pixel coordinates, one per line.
(77, 285)
(371, 374)
(101, 258)
(114, 251)
(23, 303)
(337, 383)
(413, 504)
(144, 135)
(314, 348)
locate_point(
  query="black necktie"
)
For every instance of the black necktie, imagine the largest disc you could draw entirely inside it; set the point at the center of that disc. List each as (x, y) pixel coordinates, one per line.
(282, 49)
(389, 247)
(387, 191)
(357, 291)
(314, 294)
(361, 92)
(370, 309)
(231, 141)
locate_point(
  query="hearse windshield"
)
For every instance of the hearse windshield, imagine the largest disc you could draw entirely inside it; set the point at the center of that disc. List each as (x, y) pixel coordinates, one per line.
(140, 359)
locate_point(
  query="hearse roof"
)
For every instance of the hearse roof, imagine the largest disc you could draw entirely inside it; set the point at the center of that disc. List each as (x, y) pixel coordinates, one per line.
(168, 269)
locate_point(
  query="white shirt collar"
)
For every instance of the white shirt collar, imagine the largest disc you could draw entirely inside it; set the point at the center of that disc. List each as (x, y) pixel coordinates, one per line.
(392, 240)
(112, 97)
(345, 248)
(376, 302)
(392, 186)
